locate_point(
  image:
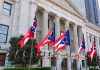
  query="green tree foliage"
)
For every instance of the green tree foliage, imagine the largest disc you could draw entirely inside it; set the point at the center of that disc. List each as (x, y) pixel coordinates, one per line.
(26, 50)
(92, 63)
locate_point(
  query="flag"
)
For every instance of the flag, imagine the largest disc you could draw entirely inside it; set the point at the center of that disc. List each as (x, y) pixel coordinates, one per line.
(49, 39)
(82, 46)
(92, 52)
(61, 33)
(29, 34)
(62, 41)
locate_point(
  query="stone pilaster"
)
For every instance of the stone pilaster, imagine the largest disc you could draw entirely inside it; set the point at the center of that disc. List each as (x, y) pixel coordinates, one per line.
(15, 25)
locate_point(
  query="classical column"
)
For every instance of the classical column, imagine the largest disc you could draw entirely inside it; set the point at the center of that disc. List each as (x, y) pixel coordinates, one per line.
(87, 36)
(57, 34)
(76, 42)
(46, 62)
(68, 48)
(75, 37)
(45, 23)
(67, 25)
(57, 26)
(80, 34)
(15, 25)
(97, 45)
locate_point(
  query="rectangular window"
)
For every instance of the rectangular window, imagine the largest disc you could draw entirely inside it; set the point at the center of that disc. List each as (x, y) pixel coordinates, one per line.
(7, 8)
(3, 33)
(53, 61)
(83, 64)
(90, 38)
(2, 59)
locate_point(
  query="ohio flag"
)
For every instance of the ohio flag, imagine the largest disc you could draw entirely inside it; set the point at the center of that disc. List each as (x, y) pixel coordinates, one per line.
(49, 39)
(92, 52)
(29, 34)
(62, 41)
(82, 45)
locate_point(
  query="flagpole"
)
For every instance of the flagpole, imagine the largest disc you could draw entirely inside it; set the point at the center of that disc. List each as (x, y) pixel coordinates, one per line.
(70, 57)
(31, 54)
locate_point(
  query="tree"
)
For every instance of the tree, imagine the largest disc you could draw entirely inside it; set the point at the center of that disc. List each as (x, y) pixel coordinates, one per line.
(22, 56)
(94, 61)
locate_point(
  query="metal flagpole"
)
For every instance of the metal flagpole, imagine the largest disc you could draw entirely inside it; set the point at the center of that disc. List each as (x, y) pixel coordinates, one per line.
(31, 54)
(70, 58)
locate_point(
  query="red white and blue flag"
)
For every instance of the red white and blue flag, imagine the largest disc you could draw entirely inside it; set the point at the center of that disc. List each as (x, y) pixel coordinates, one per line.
(29, 34)
(92, 52)
(49, 39)
(62, 41)
(82, 45)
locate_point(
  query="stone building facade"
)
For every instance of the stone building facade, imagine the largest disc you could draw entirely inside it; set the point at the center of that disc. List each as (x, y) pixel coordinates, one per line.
(17, 15)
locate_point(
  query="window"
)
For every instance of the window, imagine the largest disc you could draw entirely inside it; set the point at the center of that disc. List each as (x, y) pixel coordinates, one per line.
(7, 8)
(53, 61)
(83, 64)
(3, 33)
(74, 63)
(2, 59)
(90, 38)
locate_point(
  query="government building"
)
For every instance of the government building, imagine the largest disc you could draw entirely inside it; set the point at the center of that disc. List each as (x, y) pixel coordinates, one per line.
(16, 16)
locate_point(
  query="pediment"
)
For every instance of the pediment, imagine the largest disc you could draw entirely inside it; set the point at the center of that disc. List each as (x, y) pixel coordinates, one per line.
(69, 6)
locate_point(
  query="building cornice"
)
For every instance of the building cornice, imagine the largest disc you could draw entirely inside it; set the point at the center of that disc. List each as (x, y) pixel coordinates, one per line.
(90, 25)
(64, 4)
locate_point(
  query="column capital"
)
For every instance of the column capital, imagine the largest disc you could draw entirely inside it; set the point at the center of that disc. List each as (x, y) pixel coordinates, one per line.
(57, 16)
(67, 24)
(45, 11)
(67, 21)
(75, 25)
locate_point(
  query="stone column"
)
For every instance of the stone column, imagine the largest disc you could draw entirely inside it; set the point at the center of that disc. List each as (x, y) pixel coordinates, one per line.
(45, 23)
(75, 37)
(15, 25)
(76, 42)
(87, 35)
(97, 46)
(57, 34)
(80, 34)
(67, 25)
(68, 48)
(57, 26)
(46, 62)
